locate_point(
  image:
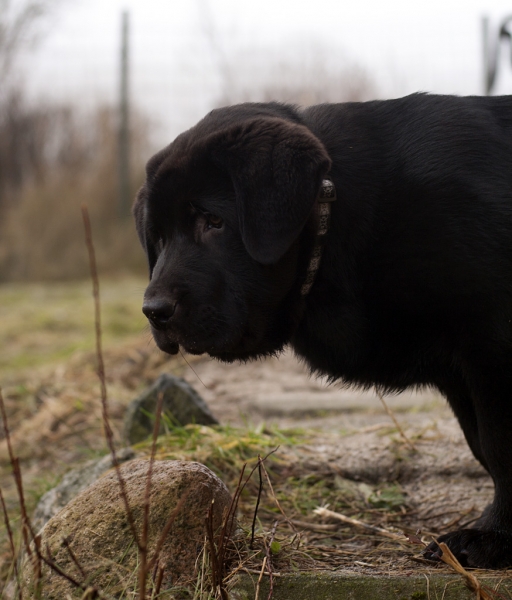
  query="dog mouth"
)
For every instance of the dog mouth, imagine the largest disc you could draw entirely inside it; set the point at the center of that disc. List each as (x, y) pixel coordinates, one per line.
(171, 342)
(218, 345)
(208, 331)
(173, 348)
(165, 340)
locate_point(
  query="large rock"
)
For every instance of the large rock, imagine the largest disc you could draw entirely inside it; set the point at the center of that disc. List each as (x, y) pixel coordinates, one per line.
(97, 529)
(181, 403)
(72, 484)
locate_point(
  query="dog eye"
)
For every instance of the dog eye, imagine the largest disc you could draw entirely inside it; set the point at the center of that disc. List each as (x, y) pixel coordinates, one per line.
(212, 221)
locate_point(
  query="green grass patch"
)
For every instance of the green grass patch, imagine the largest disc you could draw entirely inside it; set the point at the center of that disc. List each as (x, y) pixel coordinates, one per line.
(223, 449)
(46, 323)
(298, 489)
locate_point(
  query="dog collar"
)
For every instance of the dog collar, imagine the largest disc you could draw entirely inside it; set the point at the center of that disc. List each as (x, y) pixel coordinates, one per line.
(326, 195)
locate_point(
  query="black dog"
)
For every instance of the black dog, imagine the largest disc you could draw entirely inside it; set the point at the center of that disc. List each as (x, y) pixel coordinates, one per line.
(412, 286)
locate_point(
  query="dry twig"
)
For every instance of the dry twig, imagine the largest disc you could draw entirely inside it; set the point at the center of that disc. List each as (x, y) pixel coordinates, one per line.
(397, 424)
(325, 512)
(10, 537)
(27, 531)
(294, 529)
(481, 592)
(258, 584)
(258, 499)
(143, 566)
(73, 557)
(165, 531)
(268, 553)
(101, 371)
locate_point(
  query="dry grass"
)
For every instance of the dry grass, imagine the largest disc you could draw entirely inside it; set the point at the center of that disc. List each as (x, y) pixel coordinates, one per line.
(57, 421)
(70, 159)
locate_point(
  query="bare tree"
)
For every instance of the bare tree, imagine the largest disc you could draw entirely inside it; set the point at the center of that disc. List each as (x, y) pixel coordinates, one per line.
(18, 28)
(21, 127)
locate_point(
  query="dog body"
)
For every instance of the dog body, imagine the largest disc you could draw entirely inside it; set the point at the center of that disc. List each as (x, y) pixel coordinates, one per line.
(414, 285)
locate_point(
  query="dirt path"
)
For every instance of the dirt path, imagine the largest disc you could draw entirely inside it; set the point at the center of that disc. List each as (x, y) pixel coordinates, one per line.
(442, 481)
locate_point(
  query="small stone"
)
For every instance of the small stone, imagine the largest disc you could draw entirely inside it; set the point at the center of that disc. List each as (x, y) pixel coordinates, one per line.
(181, 403)
(97, 530)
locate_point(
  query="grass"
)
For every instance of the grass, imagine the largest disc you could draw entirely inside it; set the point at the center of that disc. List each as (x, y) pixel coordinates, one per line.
(47, 373)
(296, 490)
(47, 366)
(44, 324)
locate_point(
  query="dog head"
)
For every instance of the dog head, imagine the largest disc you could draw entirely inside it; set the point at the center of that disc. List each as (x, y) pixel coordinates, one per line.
(220, 217)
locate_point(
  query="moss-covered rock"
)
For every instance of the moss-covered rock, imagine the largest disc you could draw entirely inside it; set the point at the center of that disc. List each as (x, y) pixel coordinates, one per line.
(97, 529)
(180, 403)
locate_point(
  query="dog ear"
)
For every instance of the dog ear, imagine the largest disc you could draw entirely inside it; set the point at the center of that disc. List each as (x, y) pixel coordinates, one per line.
(139, 214)
(276, 168)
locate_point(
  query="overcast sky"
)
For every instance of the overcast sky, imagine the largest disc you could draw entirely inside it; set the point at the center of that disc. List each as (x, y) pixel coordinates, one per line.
(180, 49)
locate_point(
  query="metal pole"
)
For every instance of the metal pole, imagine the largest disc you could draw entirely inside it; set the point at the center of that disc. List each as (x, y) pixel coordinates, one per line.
(486, 39)
(124, 124)
(491, 48)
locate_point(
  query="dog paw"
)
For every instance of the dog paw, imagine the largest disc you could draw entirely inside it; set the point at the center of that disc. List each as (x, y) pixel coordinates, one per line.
(475, 548)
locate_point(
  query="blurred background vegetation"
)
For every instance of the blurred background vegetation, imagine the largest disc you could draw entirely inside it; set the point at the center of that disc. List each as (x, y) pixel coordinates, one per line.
(55, 155)
(59, 150)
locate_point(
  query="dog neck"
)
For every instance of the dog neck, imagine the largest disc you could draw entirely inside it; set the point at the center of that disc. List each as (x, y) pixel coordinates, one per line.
(326, 195)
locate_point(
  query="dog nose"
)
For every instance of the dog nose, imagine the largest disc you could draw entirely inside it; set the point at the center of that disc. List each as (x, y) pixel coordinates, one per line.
(158, 312)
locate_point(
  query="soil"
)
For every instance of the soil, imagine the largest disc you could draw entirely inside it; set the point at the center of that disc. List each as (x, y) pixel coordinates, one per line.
(355, 435)
(412, 457)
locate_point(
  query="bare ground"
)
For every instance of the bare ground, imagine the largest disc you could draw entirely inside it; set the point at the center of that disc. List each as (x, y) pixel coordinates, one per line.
(355, 436)
(417, 476)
